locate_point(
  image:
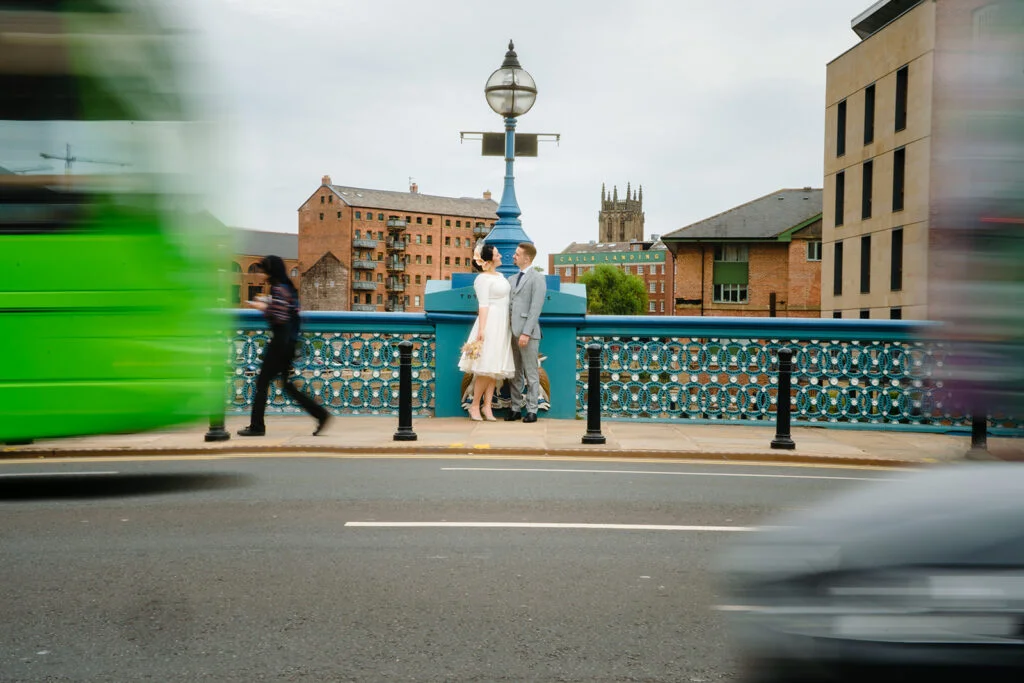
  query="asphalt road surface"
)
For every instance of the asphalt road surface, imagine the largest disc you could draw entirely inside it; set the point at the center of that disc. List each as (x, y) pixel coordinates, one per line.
(376, 569)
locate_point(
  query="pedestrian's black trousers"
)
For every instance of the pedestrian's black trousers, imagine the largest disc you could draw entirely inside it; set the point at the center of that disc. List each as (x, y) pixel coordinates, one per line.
(277, 362)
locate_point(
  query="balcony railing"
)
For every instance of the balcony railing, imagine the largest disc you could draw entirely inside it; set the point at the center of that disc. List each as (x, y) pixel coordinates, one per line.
(364, 243)
(397, 266)
(364, 285)
(396, 224)
(395, 285)
(396, 245)
(362, 264)
(363, 307)
(481, 230)
(394, 307)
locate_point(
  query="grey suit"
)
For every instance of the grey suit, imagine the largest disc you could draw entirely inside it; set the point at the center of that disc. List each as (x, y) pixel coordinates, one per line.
(527, 300)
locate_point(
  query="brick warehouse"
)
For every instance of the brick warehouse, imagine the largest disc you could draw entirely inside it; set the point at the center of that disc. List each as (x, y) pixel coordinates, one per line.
(375, 250)
(650, 261)
(762, 258)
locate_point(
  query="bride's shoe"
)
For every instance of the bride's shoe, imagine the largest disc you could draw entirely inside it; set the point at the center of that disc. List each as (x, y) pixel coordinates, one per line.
(490, 417)
(475, 418)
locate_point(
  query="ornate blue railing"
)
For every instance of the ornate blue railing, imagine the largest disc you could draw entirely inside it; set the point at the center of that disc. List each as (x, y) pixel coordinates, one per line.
(346, 361)
(855, 373)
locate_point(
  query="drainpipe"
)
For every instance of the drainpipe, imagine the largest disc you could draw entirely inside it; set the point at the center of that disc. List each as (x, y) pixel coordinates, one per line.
(702, 280)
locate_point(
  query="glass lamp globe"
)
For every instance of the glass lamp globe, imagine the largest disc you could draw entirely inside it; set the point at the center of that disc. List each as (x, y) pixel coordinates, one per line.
(510, 90)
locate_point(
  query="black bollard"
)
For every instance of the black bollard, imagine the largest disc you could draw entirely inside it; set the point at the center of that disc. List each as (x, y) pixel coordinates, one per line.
(593, 434)
(405, 432)
(979, 437)
(217, 431)
(782, 437)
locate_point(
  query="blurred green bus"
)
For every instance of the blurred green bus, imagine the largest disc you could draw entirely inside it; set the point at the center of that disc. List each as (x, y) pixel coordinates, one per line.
(109, 281)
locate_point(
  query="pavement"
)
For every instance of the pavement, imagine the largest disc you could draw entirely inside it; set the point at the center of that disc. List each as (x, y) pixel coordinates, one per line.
(553, 438)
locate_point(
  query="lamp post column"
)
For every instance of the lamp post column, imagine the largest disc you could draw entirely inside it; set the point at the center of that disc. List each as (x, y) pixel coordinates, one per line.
(508, 231)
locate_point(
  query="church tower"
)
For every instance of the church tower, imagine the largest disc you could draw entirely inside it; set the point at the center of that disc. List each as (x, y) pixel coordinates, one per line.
(621, 220)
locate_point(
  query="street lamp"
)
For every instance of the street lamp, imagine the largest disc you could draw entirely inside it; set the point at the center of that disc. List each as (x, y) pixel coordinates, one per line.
(510, 92)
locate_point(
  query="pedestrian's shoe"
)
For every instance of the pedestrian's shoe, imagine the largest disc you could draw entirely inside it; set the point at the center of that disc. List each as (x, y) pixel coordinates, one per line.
(321, 423)
(530, 417)
(513, 415)
(250, 431)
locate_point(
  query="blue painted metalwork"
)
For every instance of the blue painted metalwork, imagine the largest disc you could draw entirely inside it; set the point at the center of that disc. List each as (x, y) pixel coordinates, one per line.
(348, 362)
(872, 374)
(725, 369)
(508, 232)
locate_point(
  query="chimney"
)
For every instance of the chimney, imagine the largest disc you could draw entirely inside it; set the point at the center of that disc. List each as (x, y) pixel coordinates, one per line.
(487, 194)
(414, 188)
(326, 180)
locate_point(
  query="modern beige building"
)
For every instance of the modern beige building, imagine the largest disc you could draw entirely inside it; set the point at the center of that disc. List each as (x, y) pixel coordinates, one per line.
(889, 131)
(877, 161)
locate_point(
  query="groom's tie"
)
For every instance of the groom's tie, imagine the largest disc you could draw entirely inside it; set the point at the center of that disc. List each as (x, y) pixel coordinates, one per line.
(519, 278)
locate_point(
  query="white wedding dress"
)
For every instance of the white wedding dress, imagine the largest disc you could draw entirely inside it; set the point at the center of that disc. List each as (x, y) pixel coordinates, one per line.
(495, 360)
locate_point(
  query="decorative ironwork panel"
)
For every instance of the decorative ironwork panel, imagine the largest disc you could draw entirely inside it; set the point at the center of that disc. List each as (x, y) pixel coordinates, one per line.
(350, 373)
(893, 383)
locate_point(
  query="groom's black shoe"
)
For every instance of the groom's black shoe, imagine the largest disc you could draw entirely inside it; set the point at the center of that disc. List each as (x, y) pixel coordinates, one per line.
(530, 417)
(514, 415)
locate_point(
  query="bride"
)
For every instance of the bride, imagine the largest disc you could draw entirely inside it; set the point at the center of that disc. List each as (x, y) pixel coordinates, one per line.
(490, 358)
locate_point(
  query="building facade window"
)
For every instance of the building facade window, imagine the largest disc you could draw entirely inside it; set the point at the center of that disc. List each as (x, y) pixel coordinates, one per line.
(899, 168)
(902, 84)
(650, 307)
(416, 300)
(814, 250)
(447, 260)
(359, 216)
(380, 299)
(896, 261)
(430, 221)
(430, 239)
(447, 241)
(837, 314)
(731, 273)
(840, 197)
(869, 114)
(651, 287)
(321, 216)
(896, 313)
(841, 129)
(837, 270)
(867, 176)
(865, 264)
(255, 291)
(339, 214)
(730, 294)
(865, 314)
(419, 219)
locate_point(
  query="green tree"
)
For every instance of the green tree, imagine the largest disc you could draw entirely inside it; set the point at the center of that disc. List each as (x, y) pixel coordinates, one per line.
(610, 291)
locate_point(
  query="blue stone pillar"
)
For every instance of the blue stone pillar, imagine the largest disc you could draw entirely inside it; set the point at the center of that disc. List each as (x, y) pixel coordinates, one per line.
(452, 307)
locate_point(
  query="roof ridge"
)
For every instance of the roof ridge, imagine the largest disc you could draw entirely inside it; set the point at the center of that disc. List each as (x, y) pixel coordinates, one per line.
(335, 186)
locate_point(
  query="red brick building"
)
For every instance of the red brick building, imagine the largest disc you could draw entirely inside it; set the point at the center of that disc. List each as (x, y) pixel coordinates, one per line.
(762, 258)
(250, 247)
(650, 261)
(375, 250)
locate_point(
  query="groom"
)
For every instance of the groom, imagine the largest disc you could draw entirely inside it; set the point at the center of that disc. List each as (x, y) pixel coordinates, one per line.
(527, 299)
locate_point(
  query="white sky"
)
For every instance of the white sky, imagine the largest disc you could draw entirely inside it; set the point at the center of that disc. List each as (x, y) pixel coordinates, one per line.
(705, 104)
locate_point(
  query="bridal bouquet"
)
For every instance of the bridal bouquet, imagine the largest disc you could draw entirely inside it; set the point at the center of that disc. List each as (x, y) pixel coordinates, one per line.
(471, 349)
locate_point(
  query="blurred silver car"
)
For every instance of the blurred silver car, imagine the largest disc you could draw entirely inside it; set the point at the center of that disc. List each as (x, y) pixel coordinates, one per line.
(900, 580)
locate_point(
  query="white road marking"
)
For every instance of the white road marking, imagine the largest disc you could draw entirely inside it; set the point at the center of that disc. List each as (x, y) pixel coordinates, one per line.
(57, 474)
(547, 525)
(685, 474)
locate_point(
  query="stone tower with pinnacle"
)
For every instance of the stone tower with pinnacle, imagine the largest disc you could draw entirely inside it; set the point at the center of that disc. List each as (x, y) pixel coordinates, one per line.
(621, 220)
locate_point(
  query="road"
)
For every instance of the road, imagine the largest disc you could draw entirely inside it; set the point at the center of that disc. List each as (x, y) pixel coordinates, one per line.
(376, 569)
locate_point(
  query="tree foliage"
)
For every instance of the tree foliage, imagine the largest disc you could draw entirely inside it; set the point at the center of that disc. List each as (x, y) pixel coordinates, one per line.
(611, 291)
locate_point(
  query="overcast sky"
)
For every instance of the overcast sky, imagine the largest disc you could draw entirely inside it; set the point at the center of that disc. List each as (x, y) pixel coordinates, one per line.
(705, 104)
